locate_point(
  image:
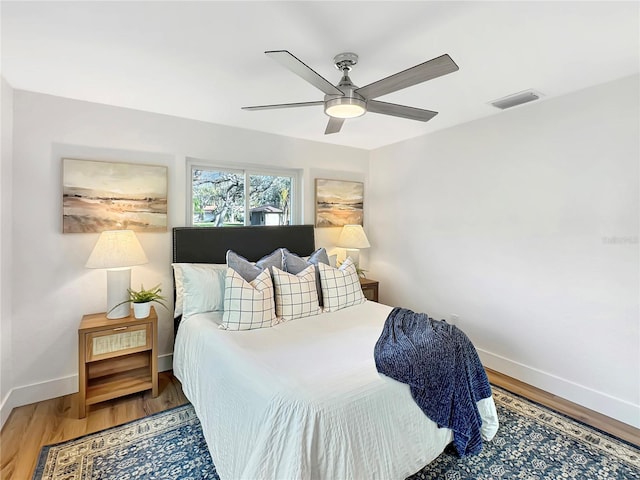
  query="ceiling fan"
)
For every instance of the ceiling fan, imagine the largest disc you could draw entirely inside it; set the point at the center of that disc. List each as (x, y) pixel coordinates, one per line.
(347, 100)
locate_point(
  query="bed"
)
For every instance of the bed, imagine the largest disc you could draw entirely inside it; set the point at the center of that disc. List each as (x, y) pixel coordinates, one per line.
(302, 399)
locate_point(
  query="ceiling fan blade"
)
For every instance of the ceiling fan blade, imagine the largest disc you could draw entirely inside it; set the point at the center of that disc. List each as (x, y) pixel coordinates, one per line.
(433, 68)
(411, 113)
(284, 105)
(297, 66)
(334, 125)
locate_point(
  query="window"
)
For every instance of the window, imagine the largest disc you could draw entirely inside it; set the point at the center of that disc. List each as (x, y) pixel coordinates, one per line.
(226, 197)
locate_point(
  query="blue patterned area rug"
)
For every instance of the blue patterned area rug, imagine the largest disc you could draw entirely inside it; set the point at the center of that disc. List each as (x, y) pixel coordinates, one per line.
(533, 443)
(165, 445)
(537, 443)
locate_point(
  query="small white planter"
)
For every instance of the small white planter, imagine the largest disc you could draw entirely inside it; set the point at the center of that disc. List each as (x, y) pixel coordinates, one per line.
(141, 310)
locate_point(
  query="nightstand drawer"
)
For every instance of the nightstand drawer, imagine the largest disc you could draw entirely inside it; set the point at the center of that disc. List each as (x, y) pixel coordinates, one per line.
(118, 341)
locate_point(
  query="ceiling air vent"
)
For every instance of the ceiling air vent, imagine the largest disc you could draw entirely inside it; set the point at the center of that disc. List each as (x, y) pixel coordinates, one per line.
(516, 99)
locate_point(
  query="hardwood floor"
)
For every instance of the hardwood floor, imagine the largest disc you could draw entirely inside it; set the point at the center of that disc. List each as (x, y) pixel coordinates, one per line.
(51, 421)
(570, 409)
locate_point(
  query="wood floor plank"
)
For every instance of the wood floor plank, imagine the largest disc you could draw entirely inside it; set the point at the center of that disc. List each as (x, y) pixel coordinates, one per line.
(573, 410)
(30, 427)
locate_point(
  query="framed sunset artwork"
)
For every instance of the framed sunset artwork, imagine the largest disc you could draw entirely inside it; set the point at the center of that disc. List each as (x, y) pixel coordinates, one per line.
(99, 196)
(339, 202)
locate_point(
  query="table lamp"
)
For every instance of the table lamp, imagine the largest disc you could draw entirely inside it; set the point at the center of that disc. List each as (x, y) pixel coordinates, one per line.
(117, 251)
(353, 239)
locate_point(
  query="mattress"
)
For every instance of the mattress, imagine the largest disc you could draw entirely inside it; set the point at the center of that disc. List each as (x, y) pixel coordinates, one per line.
(303, 399)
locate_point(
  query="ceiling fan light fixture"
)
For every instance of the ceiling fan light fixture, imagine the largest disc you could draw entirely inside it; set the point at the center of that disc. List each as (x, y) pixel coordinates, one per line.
(346, 100)
(345, 107)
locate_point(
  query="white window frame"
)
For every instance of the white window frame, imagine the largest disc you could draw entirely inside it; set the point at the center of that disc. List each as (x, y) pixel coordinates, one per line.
(247, 170)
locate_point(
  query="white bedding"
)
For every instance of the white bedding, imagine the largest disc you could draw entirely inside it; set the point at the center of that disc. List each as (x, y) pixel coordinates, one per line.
(303, 400)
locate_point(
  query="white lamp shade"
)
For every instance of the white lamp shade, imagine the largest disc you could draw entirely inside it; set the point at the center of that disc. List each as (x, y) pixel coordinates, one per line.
(353, 236)
(116, 249)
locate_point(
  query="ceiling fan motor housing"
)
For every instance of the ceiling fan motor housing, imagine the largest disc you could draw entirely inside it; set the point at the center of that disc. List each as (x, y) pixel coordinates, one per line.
(351, 104)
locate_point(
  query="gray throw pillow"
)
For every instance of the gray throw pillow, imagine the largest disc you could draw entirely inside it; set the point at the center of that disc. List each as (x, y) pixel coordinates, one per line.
(248, 270)
(294, 264)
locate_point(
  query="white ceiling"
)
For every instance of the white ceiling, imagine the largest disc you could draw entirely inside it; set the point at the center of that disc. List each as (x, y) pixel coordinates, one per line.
(205, 60)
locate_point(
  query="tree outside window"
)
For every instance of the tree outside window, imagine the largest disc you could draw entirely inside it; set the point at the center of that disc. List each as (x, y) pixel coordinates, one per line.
(219, 198)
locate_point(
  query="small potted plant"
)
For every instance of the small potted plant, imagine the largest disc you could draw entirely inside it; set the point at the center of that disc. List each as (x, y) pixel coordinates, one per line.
(142, 299)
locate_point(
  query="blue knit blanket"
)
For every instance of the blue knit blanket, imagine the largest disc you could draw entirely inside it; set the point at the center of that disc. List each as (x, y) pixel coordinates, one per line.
(440, 364)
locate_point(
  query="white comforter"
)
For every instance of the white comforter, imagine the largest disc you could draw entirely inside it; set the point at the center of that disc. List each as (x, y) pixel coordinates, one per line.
(303, 400)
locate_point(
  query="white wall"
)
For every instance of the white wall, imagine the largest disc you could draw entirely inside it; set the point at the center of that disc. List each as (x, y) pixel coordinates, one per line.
(525, 224)
(52, 289)
(6, 125)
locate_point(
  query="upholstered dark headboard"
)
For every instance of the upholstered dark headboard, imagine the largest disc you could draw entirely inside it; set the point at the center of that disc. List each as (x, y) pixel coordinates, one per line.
(210, 245)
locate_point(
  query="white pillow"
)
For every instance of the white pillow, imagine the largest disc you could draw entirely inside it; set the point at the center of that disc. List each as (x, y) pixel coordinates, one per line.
(206, 286)
(248, 305)
(340, 287)
(179, 286)
(296, 295)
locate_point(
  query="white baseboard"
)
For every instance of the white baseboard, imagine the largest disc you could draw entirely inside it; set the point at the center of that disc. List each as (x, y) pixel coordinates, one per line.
(603, 403)
(5, 409)
(165, 362)
(37, 392)
(58, 387)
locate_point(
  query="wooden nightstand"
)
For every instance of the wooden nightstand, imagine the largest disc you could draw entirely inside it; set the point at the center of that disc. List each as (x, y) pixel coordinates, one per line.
(116, 357)
(369, 288)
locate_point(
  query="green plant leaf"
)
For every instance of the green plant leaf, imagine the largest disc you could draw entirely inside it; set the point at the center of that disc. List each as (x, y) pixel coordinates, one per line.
(144, 296)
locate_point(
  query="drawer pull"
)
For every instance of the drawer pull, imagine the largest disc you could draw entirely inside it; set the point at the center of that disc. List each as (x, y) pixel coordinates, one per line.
(120, 328)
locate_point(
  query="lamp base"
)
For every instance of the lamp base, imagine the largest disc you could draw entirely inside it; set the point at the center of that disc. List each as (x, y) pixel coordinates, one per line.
(354, 253)
(118, 283)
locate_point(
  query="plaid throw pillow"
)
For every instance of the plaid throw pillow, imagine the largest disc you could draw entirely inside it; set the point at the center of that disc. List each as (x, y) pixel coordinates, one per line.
(248, 305)
(292, 263)
(296, 295)
(340, 287)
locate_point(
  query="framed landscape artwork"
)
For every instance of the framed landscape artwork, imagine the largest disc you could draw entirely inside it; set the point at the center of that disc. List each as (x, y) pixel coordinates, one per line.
(339, 203)
(98, 196)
